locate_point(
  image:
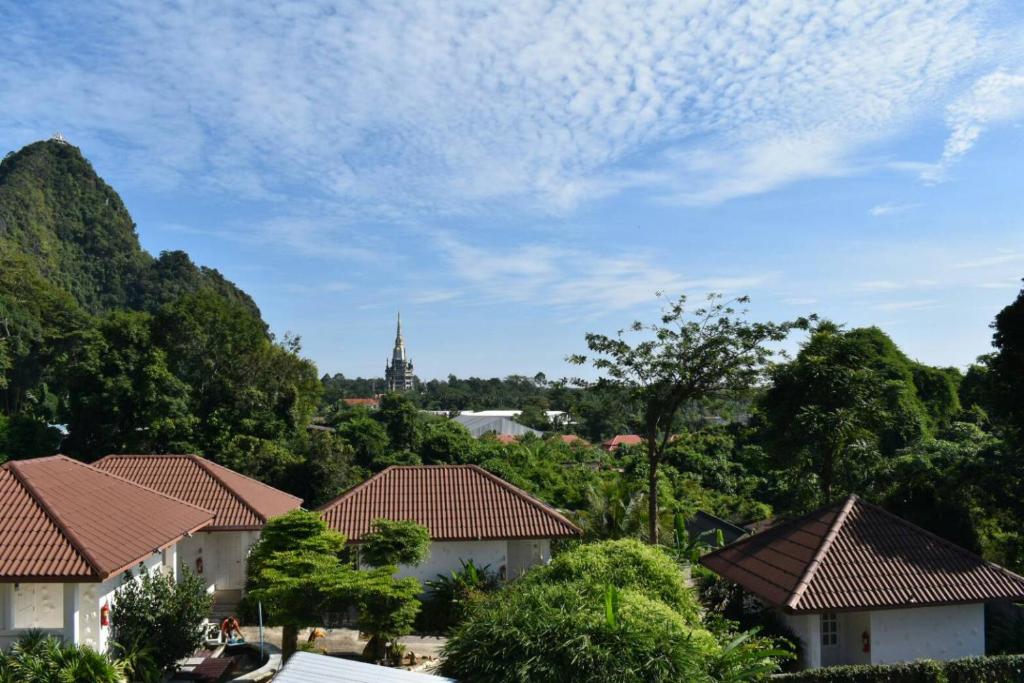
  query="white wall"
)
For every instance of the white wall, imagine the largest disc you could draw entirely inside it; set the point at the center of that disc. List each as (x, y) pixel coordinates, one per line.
(525, 554)
(806, 627)
(903, 635)
(852, 626)
(224, 556)
(445, 555)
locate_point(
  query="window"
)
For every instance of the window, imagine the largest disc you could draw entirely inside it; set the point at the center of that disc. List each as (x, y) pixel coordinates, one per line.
(829, 629)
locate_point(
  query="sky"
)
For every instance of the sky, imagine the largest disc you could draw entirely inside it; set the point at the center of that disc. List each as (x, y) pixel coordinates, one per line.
(511, 176)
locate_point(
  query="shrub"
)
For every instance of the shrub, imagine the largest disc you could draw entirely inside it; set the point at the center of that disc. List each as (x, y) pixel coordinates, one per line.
(37, 658)
(157, 612)
(554, 632)
(624, 564)
(450, 597)
(394, 543)
(1001, 668)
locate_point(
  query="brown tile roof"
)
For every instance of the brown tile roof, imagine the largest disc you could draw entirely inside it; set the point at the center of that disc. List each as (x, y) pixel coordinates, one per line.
(572, 438)
(454, 502)
(237, 501)
(621, 440)
(372, 402)
(62, 520)
(854, 555)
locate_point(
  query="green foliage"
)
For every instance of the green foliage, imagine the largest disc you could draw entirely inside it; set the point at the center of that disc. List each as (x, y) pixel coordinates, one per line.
(625, 564)
(542, 632)
(449, 598)
(26, 436)
(395, 543)
(687, 356)
(446, 442)
(367, 438)
(399, 417)
(262, 459)
(1004, 668)
(39, 658)
(155, 610)
(1007, 365)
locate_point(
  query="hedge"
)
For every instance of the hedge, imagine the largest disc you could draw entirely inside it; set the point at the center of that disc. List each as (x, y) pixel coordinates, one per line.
(997, 669)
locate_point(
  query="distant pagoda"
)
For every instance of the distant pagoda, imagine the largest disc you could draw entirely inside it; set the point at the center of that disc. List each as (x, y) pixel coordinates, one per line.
(398, 371)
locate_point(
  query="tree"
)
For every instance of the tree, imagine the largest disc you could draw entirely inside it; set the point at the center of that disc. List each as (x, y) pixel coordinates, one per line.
(446, 442)
(156, 611)
(686, 357)
(399, 417)
(1007, 364)
(268, 461)
(327, 468)
(296, 570)
(367, 437)
(121, 395)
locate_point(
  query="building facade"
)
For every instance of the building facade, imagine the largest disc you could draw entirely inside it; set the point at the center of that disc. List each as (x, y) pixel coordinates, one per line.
(398, 371)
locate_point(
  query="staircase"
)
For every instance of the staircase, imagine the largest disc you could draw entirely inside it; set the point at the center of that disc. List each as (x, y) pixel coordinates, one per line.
(225, 604)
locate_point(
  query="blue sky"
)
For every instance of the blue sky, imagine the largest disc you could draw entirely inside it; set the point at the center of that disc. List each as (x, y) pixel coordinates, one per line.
(511, 175)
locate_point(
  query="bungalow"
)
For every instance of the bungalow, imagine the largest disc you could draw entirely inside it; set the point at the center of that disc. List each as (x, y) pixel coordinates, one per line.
(859, 585)
(69, 535)
(240, 505)
(470, 514)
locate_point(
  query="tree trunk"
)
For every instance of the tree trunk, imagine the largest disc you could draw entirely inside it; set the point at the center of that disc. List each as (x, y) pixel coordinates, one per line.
(289, 641)
(652, 490)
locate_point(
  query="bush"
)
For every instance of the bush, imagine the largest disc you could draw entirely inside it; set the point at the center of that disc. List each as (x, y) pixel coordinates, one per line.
(624, 564)
(449, 598)
(550, 633)
(155, 611)
(38, 658)
(394, 543)
(1001, 669)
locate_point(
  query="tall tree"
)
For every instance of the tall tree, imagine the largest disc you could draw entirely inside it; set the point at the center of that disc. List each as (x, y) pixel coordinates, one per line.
(1007, 365)
(685, 357)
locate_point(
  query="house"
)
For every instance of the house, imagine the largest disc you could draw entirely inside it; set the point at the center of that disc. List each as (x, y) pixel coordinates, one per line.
(478, 425)
(705, 527)
(470, 513)
(240, 505)
(69, 536)
(572, 439)
(859, 585)
(619, 440)
(306, 667)
(372, 402)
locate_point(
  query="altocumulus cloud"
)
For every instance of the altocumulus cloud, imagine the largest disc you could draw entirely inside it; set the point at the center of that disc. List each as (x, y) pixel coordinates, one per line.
(401, 108)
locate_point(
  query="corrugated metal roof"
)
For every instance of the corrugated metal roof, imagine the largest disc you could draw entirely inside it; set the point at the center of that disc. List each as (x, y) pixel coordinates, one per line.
(454, 502)
(306, 667)
(478, 425)
(238, 502)
(61, 519)
(855, 555)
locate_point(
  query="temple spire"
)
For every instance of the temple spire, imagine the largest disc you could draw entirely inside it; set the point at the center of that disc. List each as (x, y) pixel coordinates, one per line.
(398, 373)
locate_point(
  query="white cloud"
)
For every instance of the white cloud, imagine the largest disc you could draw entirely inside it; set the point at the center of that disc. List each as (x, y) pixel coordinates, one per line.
(990, 261)
(572, 277)
(995, 98)
(913, 305)
(452, 106)
(889, 208)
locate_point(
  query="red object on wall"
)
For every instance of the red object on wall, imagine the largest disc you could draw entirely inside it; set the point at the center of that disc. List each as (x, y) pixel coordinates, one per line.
(199, 565)
(865, 641)
(105, 615)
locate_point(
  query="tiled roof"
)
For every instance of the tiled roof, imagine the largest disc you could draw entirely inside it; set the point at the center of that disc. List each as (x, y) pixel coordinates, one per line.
(621, 440)
(454, 502)
(373, 402)
(572, 438)
(62, 520)
(854, 555)
(237, 501)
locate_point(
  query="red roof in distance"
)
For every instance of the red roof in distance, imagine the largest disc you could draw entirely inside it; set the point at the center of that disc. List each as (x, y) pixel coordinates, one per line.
(63, 520)
(620, 440)
(239, 502)
(369, 402)
(853, 556)
(454, 502)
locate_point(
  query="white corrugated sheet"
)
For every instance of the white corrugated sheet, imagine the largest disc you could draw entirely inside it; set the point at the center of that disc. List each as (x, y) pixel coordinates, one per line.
(306, 667)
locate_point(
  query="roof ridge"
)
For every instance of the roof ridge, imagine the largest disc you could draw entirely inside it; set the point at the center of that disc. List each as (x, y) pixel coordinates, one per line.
(536, 502)
(202, 464)
(217, 465)
(826, 544)
(142, 486)
(14, 468)
(351, 490)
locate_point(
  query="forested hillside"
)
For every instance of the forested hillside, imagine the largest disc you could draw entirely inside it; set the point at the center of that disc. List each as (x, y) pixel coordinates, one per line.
(128, 351)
